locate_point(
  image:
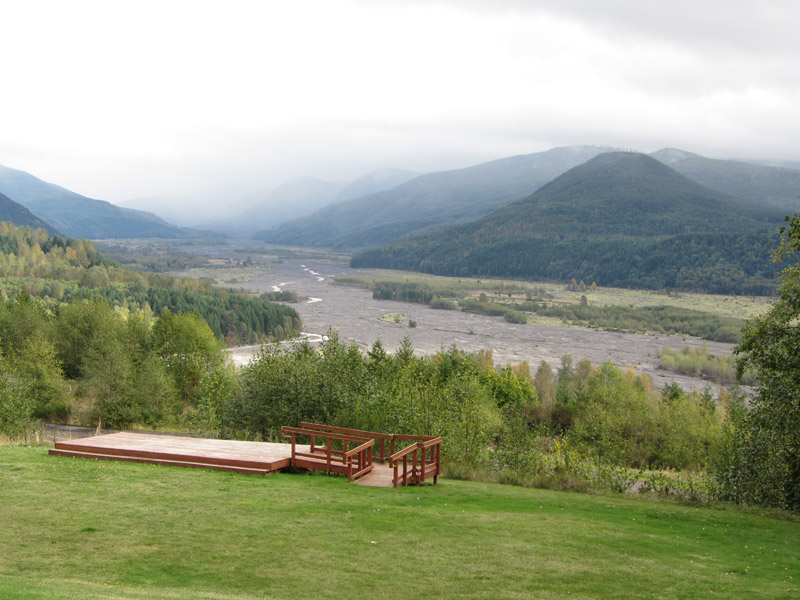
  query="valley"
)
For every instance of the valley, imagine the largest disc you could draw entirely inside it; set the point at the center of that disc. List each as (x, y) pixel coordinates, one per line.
(359, 318)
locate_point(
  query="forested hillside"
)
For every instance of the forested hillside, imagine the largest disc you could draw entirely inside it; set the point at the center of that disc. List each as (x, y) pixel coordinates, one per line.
(64, 270)
(622, 219)
(79, 216)
(13, 212)
(374, 182)
(428, 201)
(759, 185)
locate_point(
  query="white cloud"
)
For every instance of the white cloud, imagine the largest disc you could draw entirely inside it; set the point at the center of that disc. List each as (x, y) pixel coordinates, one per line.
(125, 99)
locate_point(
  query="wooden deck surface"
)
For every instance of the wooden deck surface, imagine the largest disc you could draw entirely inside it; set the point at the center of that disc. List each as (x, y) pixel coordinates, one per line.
(382, 475)
(256, 458)
(260, 458)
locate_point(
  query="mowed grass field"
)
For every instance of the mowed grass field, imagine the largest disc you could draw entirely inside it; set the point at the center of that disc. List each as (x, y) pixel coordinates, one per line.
(75, 528)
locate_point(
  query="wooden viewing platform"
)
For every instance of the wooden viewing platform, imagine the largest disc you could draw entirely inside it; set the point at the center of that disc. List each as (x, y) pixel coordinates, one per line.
(345, 451)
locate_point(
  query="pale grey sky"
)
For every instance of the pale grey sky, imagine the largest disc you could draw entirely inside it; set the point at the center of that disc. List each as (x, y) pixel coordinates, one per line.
(214, 100)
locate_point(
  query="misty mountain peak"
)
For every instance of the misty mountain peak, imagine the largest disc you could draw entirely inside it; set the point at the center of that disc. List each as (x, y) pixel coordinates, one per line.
(670, 156)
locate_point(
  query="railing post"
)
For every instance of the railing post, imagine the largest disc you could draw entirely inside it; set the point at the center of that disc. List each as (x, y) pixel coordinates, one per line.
(293, 445)
(438, 462)
(329, 454)
(346, 446)
(312, 444)
(414, 472)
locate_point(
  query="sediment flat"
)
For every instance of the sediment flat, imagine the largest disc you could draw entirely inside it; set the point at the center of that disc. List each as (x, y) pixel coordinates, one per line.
(356, 316)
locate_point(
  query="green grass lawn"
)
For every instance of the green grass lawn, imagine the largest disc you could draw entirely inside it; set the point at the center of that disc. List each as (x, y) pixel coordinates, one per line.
(73, 528)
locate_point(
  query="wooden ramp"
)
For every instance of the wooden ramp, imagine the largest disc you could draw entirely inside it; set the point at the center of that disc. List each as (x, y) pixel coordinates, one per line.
(382, 475)
(367, 457)
(256, 458)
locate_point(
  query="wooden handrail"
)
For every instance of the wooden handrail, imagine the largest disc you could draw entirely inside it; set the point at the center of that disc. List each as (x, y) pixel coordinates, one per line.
(418, 438)
(345, 430)
(421, 467)
(344, 462)
(335, 436)
(361, 448)
(425, 463)
(431, 442)
(401, 453)
(383, 437)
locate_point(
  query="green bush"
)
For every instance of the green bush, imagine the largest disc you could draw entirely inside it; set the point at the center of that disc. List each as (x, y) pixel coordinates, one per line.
(442, 303)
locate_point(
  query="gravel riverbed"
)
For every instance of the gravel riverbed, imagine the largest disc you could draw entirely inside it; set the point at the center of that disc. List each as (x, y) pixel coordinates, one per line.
(356, 316)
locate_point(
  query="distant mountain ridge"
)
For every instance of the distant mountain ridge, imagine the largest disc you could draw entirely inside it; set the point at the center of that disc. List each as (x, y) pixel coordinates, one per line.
(15, 213)
(294, 198)
(78, 216)
(619, 219)
(760, 185)
(374, 182)
(429, 201)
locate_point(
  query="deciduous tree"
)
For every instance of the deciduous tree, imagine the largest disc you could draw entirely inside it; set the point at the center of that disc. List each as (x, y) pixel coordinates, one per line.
(762, 465)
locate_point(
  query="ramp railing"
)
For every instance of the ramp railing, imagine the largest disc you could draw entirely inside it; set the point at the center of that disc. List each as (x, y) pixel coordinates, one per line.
(354, 462)
(413, 464)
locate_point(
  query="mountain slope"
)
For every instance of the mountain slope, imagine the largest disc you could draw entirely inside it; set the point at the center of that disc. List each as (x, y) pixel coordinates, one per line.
(619, 219)
(80, 217)
(759, 185)
(296, 198)
(15, 213)
(427, 201)
(377, 181)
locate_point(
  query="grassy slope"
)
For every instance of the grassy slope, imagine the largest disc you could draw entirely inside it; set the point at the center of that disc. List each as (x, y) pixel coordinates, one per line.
(74, 528)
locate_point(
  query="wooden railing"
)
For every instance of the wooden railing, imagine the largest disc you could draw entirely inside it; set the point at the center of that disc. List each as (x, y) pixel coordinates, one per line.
(419, 461)
(380, 438)
(353, 462)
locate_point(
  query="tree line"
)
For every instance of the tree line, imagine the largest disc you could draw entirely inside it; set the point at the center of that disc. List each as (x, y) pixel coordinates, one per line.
(718, 263)
(62, 270)
(86, 362)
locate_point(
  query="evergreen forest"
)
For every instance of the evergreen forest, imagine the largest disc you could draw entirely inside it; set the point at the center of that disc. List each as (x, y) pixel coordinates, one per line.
(57, 271)
(622, 220)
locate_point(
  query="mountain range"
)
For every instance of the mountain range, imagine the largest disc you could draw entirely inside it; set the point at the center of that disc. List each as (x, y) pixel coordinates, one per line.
(444, 198)
(390, 203)
(622, 219)
(295, 198)
(300, 197)
(776, 187)
(428, 201)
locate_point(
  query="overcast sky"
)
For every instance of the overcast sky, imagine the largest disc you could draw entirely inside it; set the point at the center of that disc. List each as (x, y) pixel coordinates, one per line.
(212, 99)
